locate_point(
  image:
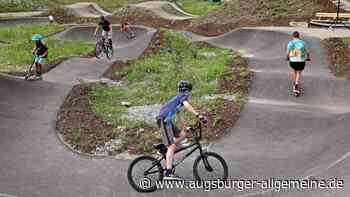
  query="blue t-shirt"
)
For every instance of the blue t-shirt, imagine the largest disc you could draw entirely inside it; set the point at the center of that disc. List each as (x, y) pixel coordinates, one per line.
(297, 49)
(168, 111)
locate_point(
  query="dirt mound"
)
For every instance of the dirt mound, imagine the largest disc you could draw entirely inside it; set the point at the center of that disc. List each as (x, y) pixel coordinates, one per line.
(235, 11)
(160, 9)
(86, 9)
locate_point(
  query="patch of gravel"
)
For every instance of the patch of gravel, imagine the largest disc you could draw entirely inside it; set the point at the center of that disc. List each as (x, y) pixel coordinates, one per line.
(220, 96)
(207, 55)
(105, 81)
(109, 148)
(146, 113)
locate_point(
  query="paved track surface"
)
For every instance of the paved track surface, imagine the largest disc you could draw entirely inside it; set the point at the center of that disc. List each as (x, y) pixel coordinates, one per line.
(277, 135)
(163, 9)
(81, 68)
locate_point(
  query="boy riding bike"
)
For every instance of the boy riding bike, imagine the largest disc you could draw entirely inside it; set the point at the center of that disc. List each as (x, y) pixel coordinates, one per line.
(125, 26)
(297, 49)
(40, 51)
(169, 131)
(126, 29)
(106, 29)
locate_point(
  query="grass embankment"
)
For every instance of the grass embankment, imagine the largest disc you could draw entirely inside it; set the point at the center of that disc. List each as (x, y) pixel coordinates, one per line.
(198, 7)
(29, 5)
(17, 54)
(152, 80)
(339, 56)
(235, 11)
(17, 6)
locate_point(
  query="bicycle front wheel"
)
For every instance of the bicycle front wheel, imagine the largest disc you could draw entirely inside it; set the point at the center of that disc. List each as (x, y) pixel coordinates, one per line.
(29, 72)
(143, 173)
(210, 166)
(109, 52)
(98, 49)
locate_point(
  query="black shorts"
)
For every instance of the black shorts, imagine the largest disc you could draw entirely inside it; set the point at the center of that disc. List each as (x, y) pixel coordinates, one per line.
(169, 131)
(298, 66)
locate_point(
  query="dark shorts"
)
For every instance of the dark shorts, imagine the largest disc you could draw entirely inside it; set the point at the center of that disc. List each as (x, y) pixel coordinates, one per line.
(169, 132)
(298, 66)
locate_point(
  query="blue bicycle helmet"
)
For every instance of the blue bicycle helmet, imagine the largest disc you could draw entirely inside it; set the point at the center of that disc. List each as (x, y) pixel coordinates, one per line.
(37, 37)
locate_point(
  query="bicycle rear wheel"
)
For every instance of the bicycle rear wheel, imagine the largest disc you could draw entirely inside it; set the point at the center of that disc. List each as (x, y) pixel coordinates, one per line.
(98, 49)
(143, 173)
(130, 34)
(210, 166)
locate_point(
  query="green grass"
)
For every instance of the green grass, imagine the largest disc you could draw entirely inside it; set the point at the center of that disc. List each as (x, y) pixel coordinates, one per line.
(338, 50)
(16, 55)
(153, 80)
(346, 41)
(16, 6)
(199, 7)
(272, 10)
(25, 32)
(27, 5)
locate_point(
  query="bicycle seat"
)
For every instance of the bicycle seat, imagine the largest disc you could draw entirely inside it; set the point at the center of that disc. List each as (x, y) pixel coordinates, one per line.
(161, 147)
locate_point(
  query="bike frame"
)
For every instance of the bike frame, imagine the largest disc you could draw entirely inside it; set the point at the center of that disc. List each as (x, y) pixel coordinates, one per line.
(104, 41)
(195, 145)
(30, 68)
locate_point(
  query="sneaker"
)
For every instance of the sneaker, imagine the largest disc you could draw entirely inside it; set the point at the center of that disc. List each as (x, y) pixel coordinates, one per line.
(39, 77)
(172, 177)
(295, 88)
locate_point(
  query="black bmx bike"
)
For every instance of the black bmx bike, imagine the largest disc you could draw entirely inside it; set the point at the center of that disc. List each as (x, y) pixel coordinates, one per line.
(207, 165)
(103, 46)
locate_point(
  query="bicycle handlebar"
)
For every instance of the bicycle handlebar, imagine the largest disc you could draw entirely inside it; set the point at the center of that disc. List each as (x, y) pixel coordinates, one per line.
(198, 128)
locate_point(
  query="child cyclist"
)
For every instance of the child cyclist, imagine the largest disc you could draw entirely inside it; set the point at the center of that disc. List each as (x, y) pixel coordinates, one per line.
(106, 27)
(125, 26)
(40, 51)
(168, 113)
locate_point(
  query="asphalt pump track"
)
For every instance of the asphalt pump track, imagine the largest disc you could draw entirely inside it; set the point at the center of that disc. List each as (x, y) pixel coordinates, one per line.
(277, 134)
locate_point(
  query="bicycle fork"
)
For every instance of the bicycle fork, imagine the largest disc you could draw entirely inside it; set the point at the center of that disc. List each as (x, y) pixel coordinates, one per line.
(206, 163)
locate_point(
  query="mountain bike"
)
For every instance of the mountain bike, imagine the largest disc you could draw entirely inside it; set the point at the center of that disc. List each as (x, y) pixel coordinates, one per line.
(207, 165)
(103, 46)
